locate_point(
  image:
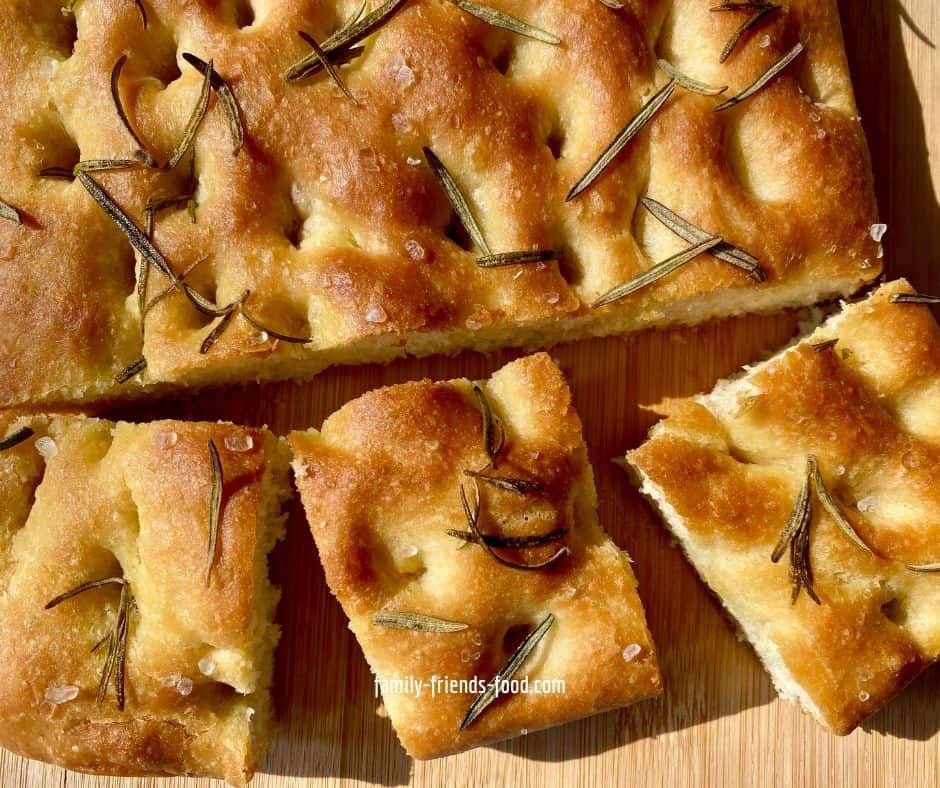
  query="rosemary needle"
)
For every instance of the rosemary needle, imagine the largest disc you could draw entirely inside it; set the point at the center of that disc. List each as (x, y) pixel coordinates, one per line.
(416, 622)
(215, 506)
(226, 99)
(493, 435)
(763, 79)
(457, 201)
(16, 438)
(657, 272)
(512, 666)
(144, 154)
(496, 18)
(633, 127)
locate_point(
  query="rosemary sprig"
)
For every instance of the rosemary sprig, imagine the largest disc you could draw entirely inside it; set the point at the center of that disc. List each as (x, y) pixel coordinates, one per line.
(416, 622)
(497, 18)
(16, 438)
(215, 506)
(762, 12)
(132, 232)
(142, 151)
(689, 232)
(796, 534)
(473, 517)
(117, 639)
(132, 370)
(330, 69)
(763, 79)
(512, 542)
(633, 127)
(226, 98)
(342, 40)
(832, 509)
(687, 82)
(457, 201)
(657, 272)
(493, 435)
(518, 658)
(826, 344)
(195, 120)
(914, 298)
(516, 258)
(517, 486)
(9, 213)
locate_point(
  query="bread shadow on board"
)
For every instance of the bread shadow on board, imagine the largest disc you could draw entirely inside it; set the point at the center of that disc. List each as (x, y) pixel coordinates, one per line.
(893, 118)
(324, 692)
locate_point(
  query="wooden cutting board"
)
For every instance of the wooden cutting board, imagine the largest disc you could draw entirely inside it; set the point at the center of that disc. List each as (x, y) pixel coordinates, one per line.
(719, 722)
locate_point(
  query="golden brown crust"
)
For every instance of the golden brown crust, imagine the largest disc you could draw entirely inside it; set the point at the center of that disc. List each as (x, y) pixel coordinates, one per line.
(725, 470)
(374, 274)
(380, 485)
(132, 501)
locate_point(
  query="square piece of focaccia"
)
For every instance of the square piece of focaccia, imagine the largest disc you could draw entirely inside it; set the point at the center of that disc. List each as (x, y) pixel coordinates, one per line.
(824, 457)
(441, 603)
(164, 667)
(314, 228)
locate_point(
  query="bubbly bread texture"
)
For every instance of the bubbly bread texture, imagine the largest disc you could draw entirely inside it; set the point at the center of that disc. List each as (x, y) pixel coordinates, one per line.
(85, 500)
(725, 469)
(331, 218)
(380, 485)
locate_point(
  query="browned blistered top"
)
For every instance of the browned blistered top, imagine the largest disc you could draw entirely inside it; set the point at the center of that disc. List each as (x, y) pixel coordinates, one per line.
(333, 220)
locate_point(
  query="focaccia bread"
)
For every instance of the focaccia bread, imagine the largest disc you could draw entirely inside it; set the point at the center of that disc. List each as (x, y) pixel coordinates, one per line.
(329, 224)
(189, 642)
(858, 401)
(381, 486)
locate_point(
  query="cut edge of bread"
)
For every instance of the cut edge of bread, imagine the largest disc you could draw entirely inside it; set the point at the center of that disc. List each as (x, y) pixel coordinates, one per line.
(301, 363)
(276, 491)
(787, 687)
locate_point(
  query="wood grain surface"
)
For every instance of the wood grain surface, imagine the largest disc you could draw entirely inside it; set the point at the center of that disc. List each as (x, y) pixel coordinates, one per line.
(719, 722)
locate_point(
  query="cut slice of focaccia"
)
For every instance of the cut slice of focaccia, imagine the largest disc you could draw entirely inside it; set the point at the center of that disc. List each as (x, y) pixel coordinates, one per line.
(805, 493)
(138, 637)
(457, 526)
(482, 184)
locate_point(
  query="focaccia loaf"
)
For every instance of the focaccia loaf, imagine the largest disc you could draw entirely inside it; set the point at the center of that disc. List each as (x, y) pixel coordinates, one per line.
(859, 399)
(83, 500)
(329, 224)
(380, 483)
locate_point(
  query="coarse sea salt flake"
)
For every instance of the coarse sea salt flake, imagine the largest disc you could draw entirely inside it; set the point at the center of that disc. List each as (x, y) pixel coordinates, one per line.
(630, 652)
(46, 447)
(239, 442)
(63, 694)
